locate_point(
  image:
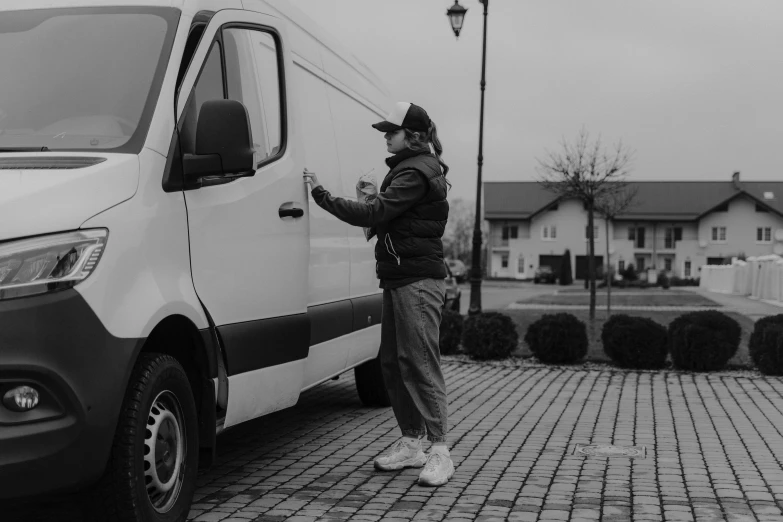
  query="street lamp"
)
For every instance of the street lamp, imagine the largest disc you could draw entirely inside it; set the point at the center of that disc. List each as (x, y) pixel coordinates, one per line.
(456, 16)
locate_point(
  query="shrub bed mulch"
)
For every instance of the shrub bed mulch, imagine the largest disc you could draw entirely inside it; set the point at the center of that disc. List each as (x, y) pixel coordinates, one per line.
(595, 352)
(626, 299)
(531, 363)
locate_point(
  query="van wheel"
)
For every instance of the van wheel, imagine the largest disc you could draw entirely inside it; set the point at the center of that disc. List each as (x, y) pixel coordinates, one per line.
(151, 475)
(370, 385)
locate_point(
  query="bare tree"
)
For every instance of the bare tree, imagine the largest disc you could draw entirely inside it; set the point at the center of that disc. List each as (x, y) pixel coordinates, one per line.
(609, 207)
(458, 236)
(584, 170)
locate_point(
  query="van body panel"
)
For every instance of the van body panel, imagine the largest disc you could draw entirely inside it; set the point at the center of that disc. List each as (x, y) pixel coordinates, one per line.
(250, 264)
(330, 263)
(329, 359)
(144, 274)
(70, 196)
(304, 45)
(263, 391)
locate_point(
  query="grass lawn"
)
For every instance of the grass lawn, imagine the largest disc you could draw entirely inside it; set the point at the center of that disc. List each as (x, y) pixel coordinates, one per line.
(625, 299)
(524, 318)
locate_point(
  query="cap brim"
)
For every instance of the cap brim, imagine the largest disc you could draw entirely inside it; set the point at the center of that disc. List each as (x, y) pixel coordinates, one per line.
(386, 126)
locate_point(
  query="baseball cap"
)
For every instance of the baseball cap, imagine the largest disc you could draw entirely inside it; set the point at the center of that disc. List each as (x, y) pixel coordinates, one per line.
(405, 116)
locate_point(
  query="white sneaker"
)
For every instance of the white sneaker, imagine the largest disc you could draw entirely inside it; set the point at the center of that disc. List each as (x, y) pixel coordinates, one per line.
(401, 455)
(437, 471)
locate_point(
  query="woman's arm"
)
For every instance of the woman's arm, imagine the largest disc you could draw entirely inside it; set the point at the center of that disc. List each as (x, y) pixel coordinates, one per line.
(405, 190)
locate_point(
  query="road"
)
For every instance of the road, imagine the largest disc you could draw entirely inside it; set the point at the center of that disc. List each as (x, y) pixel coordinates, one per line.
(496, 295)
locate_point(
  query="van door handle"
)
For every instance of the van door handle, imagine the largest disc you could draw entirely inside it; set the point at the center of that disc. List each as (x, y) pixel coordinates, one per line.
(291, 212)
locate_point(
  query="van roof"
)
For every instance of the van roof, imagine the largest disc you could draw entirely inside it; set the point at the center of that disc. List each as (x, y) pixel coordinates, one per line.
(283, 8)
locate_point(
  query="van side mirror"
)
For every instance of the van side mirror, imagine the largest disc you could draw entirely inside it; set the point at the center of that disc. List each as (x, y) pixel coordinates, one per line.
(224, 148)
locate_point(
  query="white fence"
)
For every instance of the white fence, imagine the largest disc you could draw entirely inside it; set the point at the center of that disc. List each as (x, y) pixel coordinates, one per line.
(758, 278)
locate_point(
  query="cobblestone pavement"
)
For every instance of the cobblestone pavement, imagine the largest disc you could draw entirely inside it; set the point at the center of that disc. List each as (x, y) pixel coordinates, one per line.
(714, 444)
(713, 452)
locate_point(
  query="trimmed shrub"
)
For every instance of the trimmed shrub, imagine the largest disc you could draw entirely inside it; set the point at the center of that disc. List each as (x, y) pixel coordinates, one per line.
(629, 274)
(635, 342)
(704, 340)
(450, 332)
(765, 345)
(557, 339)
(664, 281)
(489, 335)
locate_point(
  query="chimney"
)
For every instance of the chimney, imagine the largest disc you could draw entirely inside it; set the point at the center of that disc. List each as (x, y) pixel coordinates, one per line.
(735, 179)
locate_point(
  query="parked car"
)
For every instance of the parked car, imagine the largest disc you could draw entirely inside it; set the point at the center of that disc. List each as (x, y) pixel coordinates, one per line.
(545, 274)
(453, 292)
(163, 273)
(458, 269)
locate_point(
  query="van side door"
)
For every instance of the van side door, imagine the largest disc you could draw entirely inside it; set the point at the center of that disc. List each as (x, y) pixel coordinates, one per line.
(249, 236)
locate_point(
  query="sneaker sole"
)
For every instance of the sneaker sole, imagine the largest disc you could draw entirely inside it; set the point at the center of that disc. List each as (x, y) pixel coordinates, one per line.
(423, 482)
(416, 462)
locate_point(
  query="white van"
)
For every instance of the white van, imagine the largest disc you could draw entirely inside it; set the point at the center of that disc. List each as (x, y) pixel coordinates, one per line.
(163, 274)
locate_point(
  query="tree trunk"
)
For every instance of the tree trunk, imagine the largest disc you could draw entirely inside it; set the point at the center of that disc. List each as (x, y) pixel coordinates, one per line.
(591, 257)
(609, 277)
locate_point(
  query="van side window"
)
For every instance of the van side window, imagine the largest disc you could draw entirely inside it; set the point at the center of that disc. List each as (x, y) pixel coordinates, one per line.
(252, 77)
(209, 86)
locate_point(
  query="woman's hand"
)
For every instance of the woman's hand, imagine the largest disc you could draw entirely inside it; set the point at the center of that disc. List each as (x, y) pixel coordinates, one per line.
(311, 179)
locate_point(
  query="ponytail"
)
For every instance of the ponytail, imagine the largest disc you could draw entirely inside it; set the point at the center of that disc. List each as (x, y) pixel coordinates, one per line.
(437, 147)
(430, 143)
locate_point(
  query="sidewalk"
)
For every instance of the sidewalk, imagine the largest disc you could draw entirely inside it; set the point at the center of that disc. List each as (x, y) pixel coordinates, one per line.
(752, 308)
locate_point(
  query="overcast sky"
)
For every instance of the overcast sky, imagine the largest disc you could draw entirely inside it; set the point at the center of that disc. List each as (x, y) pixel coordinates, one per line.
(694, 87)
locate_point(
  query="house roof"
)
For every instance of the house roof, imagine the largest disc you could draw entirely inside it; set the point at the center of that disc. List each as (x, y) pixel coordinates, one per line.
(655, 200)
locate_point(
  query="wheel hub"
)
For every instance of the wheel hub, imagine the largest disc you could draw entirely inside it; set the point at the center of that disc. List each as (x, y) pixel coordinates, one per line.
(164, 451)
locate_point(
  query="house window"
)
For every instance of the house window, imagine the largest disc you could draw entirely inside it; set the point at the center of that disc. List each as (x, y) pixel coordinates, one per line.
(510, 232)
(504, 261)
(595, 232)
(718, 234)
(549, 233)
(667, 264)
(640, 264)
(672, 235)
(686, 269)
(764, 235)
(621, 265)
(636, 234)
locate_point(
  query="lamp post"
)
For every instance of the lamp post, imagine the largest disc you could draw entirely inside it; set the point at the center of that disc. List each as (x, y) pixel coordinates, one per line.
(456, 16)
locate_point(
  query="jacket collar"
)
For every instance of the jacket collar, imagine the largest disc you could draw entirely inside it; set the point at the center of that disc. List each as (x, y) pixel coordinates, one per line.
(398, 158)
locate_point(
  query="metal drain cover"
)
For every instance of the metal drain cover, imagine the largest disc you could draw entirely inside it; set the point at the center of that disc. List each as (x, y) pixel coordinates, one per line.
(607, 450)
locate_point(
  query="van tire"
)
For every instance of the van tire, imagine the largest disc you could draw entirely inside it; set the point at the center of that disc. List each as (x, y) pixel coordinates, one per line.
(370, 385)
(159, 396)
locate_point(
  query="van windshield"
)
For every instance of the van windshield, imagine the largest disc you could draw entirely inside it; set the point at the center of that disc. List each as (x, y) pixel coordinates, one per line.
(81, 79)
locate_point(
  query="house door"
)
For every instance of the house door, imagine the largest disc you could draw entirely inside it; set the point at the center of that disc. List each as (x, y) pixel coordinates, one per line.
(521, 266)
(581, 266)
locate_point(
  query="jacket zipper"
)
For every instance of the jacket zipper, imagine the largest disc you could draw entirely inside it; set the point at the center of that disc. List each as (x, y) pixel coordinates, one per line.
(388, 242)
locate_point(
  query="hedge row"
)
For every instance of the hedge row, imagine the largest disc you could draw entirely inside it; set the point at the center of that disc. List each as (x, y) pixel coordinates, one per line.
(696, 341)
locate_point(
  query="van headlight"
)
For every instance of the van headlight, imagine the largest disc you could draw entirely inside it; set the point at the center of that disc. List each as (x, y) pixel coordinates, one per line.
(49, 263)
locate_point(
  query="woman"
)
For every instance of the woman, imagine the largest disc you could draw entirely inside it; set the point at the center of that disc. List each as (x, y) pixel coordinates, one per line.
(408, 215)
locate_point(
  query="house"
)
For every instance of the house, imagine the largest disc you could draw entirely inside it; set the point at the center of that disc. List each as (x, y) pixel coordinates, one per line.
(676, 226)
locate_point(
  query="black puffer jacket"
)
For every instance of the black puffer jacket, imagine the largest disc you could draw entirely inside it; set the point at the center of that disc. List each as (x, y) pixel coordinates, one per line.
(410, 245)
(409, 216)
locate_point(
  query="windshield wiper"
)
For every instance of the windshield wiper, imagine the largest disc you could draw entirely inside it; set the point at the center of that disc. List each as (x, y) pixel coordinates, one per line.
(24, 149)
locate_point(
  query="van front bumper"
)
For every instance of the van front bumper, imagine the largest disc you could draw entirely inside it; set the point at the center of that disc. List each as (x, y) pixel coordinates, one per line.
(56, 344)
